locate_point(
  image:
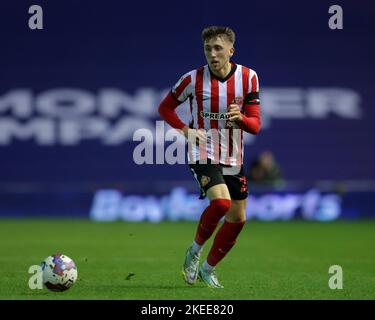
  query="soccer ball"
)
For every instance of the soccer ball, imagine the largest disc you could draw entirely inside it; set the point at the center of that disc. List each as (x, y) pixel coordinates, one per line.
(59, 272)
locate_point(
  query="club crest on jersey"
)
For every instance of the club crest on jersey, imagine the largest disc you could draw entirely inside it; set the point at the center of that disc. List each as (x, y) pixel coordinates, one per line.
(214, 115)
(205, 180)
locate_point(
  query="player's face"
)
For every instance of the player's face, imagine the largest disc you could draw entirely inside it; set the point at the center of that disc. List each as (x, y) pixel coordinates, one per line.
(218, 52)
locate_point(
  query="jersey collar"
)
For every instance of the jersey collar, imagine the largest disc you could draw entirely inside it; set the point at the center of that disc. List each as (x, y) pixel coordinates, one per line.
(232, 71)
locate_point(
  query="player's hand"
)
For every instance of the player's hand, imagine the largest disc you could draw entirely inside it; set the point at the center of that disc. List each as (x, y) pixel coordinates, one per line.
(195, 135)
(234, 111)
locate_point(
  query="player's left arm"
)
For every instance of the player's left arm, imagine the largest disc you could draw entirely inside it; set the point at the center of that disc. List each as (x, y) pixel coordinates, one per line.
(249, 119)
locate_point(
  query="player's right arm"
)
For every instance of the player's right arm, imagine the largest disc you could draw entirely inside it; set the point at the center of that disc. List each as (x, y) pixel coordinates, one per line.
(167, 108)
(178, 94)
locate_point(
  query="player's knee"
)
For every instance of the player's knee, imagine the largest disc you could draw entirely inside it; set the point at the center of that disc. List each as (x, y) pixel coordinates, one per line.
(221, 205)
(236, 219)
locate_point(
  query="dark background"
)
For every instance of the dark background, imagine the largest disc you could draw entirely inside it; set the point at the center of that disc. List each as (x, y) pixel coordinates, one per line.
(91, 45)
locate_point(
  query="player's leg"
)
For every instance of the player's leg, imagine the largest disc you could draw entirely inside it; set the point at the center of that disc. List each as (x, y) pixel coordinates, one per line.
(223, 242)
(220, 203)
(227, 235)
(213, 186)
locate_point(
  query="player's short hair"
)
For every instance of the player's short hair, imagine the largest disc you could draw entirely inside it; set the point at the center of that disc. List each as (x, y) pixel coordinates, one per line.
(217, 31)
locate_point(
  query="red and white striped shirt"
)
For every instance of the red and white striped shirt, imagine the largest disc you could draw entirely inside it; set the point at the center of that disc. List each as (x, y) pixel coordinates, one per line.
(209, 98)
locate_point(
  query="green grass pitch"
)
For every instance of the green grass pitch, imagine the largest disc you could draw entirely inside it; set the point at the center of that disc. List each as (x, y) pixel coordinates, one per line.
(271, 260)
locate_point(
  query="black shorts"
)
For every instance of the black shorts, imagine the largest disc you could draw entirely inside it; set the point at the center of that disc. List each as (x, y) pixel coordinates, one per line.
(209, 175)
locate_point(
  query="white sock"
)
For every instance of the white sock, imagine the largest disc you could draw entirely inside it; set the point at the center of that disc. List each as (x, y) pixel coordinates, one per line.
(196, 248)
(207, 266)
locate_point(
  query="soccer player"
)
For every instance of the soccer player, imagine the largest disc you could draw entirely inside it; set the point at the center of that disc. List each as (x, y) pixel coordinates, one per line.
(224, 102)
